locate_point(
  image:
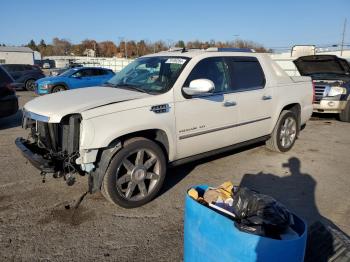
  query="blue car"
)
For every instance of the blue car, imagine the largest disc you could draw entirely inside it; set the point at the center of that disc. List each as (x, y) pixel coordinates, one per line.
(73, 78)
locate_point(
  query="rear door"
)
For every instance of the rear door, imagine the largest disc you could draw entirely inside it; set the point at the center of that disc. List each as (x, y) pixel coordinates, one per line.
(253, 97)
(101, 76)
(105, 75)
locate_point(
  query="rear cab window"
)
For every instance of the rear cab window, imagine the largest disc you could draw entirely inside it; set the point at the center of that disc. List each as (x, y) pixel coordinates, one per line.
(246, 74)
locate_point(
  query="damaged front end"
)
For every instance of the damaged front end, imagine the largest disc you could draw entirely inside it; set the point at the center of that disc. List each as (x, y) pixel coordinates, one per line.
(52, 147)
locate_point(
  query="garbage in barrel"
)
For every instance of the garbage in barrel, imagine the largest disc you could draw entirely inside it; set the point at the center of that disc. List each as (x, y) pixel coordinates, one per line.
(217, 232)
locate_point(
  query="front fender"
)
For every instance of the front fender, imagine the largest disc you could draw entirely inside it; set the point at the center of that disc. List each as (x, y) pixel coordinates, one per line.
(100, 131)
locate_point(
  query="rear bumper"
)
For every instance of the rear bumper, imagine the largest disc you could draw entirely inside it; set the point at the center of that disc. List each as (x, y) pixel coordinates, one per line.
(37, 160)
(8, 105)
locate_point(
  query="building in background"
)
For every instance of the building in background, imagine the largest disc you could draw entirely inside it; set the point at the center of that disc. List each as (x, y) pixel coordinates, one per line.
(16, 55)
(90, 52)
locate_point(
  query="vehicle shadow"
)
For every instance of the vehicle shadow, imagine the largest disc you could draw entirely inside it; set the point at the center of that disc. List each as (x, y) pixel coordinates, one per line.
(11, 121)
(178, 173)
(297, 192)
(324, 116)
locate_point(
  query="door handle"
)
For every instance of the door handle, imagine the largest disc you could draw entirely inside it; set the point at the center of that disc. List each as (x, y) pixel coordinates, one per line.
(230, 103)
(266, 97)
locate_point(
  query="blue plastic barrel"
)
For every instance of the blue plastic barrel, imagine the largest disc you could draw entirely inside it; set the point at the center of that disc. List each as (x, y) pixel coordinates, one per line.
(210, 236)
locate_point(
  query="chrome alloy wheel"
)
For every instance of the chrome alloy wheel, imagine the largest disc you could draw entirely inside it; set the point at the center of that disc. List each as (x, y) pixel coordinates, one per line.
(288, 132)
(138, 174)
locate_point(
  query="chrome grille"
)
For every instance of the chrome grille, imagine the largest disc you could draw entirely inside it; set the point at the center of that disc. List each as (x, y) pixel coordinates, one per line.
(319, 93)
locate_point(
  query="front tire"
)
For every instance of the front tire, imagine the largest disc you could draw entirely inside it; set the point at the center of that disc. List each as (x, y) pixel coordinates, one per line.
(29, 85)
(57, 89)
(285, 132)
(344, 116)
(136, 173)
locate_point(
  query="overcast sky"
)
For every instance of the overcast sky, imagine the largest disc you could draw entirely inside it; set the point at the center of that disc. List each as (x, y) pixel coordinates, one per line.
(272, 23)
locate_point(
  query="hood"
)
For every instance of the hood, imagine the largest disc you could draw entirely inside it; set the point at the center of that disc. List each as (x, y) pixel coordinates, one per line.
(322, 64)
(57, 105)
(50, 79)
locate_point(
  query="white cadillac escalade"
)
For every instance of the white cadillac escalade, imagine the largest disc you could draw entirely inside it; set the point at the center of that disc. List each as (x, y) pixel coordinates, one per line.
(162, 110)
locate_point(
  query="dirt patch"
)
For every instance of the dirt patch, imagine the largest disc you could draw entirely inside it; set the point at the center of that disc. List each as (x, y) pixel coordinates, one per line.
(73, 216)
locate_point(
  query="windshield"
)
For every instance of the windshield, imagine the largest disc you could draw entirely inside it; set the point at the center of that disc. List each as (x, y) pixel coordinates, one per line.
(68, 72)
(150, 74)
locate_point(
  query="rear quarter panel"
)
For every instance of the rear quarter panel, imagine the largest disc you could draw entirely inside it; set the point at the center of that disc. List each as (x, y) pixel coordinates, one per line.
(294, 93)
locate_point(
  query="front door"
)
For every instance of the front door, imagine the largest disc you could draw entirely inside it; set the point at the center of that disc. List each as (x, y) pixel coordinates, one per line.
(82, 78)
(206, 123)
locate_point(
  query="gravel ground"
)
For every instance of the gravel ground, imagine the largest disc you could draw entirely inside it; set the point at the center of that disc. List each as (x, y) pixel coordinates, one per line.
(312, 180)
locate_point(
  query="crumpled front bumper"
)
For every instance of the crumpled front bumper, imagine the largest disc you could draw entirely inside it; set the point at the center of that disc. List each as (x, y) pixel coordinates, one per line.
(35, 158)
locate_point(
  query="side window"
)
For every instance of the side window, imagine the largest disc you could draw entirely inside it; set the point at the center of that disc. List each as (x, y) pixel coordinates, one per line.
(101, 72)
(214, 69)
(95, 72)
(246, 73)
(84, 73)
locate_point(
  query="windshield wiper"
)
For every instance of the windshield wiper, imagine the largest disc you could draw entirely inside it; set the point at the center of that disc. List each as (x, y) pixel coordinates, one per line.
(131, 87)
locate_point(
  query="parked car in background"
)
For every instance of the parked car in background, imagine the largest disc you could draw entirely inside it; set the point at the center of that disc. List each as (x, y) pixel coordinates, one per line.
(8, 98)
(24, 75)
(58, 71)
(331, 78)
(45, 63)
(73, 78)
(164, 109)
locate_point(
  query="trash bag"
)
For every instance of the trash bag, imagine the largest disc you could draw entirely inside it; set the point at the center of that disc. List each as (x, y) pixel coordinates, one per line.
(260, 214)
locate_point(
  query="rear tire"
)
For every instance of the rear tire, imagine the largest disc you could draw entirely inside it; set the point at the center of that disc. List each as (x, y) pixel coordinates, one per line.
(135, 174)
(285, 132)
(29, 85)
(57, 89)
(344, 116)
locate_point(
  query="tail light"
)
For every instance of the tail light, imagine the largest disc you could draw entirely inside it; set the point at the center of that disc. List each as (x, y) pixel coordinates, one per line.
(313, 92)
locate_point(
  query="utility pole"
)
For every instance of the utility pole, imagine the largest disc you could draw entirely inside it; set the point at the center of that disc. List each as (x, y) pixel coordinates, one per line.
(343, 37)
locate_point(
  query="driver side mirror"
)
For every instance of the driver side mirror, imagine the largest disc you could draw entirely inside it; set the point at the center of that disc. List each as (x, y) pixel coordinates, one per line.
(199, 87)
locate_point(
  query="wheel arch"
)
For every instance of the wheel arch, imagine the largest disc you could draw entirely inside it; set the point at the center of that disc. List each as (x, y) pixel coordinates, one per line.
(296, 109)
(157, 135)
(59, 84)
(105, 155)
